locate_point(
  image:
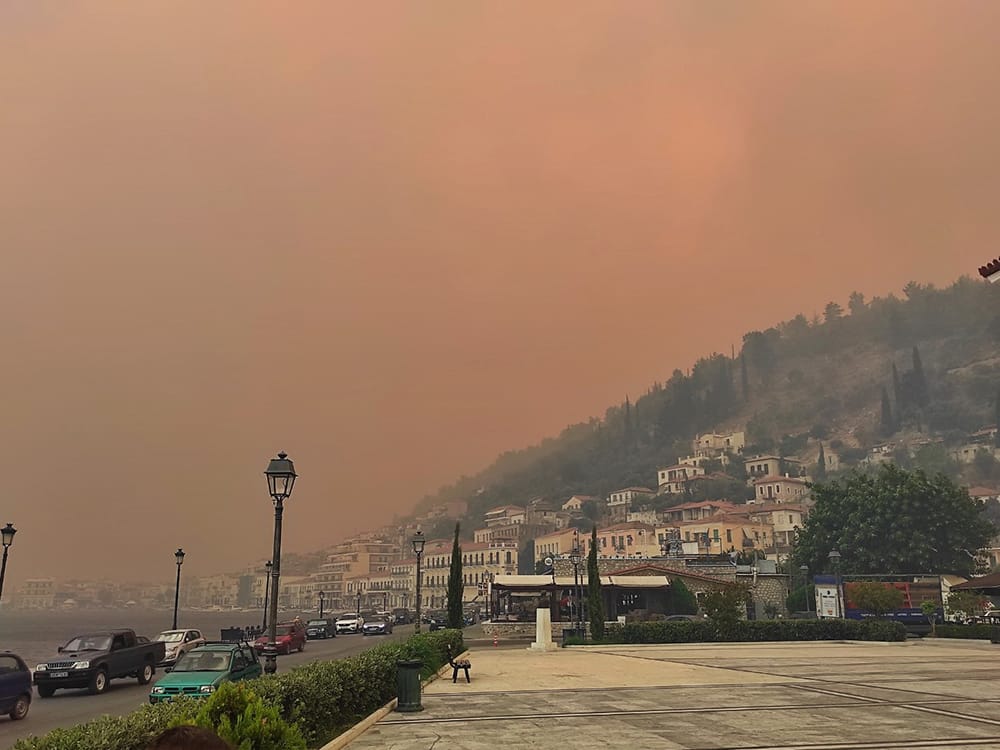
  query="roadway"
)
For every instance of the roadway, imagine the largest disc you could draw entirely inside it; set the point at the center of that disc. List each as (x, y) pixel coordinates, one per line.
(67, 708)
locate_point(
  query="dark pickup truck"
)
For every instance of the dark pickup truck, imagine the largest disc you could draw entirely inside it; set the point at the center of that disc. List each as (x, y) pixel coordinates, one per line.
(92, 661)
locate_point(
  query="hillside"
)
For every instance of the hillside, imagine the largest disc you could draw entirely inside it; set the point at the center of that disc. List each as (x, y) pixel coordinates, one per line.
(822, 377)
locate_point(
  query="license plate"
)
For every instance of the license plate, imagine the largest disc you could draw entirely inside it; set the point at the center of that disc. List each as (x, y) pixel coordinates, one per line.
(57, 675)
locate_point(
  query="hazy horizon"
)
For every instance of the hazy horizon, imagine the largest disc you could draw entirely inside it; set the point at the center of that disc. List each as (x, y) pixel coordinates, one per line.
(397, 240)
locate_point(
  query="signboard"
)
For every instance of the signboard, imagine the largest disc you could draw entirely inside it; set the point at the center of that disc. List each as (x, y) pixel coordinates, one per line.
(828, 601)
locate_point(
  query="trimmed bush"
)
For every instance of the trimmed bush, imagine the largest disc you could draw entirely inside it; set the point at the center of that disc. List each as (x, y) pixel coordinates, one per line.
(321, 699)
(756, 630)
(977, 631)
(240, 716)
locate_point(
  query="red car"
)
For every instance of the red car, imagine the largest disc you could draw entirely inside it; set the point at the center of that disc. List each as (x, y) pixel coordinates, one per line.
(291, 637)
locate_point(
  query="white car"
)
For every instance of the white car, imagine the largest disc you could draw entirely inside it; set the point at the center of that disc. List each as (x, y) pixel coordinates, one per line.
(178, 643)
(350, 623)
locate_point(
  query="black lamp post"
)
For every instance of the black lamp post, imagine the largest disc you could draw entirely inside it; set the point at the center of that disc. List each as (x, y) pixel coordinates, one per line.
(804, 569)
(359, 604)
(179, 556)
(418, 550)
(267, 590)
(322, 600)
(574, 557)
(7, 536)
(281, 476)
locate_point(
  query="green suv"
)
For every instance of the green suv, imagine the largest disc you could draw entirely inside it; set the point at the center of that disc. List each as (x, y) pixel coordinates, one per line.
(200, 671)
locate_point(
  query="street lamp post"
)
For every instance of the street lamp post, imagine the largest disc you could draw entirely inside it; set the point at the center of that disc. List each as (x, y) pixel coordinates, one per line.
(179, 556)
(322, 600)
(267, 591)
(804, 569)
(281, 477)
(418, 549)
(7, 536)
(359, 604)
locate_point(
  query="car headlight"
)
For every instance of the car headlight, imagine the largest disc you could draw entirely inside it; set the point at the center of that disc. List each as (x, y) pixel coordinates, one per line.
(159, 690)
(81, 665)
(41, 667)
(208, 688)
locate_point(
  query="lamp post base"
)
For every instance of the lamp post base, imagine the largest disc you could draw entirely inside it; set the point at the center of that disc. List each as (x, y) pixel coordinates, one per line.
(270, 660)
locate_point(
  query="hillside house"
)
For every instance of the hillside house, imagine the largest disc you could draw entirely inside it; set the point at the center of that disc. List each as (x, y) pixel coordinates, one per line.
(621, 501)
(671, 479)
(785, 519)
(724, 532)
(575, 503)
(505, 515)
(780, 489)
(556, 544)
(774, 466)
(698, 511)
(627, 540)
(966, 454)
(712, 445)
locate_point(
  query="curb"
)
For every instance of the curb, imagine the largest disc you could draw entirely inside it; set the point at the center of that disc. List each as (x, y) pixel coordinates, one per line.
(344, 739)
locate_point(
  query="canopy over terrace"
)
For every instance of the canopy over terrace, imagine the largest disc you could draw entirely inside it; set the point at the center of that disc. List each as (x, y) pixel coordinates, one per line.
(511, 595)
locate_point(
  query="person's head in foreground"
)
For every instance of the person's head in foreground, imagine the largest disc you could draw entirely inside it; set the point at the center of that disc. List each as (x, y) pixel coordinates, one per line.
(189, 738)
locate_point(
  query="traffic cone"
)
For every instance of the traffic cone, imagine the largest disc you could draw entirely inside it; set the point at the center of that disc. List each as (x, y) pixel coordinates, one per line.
(495, 640)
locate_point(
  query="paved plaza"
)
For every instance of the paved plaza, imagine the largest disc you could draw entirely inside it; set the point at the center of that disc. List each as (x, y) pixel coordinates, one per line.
(782, 696)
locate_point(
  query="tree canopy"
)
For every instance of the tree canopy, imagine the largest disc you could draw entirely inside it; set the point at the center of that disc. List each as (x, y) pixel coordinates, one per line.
(893, 521)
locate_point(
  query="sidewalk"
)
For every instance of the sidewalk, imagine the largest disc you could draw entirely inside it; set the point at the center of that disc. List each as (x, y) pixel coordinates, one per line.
(801, 696)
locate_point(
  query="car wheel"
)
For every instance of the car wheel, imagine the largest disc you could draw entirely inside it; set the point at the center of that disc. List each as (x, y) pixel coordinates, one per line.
(20, 709)
(99, 682)
(45, 691)
(146, 674)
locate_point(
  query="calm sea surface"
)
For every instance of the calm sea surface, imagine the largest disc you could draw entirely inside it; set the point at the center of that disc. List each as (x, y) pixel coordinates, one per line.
(35, 635)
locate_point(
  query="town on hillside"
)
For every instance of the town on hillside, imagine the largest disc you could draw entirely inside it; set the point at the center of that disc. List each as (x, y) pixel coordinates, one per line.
(722, 511)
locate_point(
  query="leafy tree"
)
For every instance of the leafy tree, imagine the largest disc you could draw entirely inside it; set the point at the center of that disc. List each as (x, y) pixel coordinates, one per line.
(966, 603)
(893, 521)
(526, 558)
(930, 608)
(595, 603)
(455, 585)
(240, 716)
(886, 425)
(801, 599)
(985, 465)
(682, 599)
(726, 606)
(874, 597)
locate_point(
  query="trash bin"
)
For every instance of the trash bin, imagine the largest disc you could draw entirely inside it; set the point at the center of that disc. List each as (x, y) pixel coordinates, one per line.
(995, 633)
(408, 685)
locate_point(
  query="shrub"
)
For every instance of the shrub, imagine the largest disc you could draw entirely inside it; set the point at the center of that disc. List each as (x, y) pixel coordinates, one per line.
(758, 630)
(239, 716)
(977, 631)
(321, 700)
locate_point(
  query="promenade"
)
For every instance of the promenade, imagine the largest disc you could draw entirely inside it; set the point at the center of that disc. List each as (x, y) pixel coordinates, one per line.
(787, 696)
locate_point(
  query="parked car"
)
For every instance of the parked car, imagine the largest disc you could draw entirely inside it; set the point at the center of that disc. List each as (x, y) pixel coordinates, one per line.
(200, 671)
(291, 636)
(381, 626)
(178, 643)
(92, 661)
(15, 686)
(402, 616)
(350, 622)
(436, 620)
(325, 628)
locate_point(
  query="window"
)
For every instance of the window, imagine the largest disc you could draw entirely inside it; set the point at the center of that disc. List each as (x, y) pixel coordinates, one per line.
(9, 665)
(729, 536)
(715, 534)
(789, 519)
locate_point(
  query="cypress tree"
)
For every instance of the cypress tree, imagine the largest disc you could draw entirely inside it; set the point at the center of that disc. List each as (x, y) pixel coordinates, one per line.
(628, 422)
(682, 600)
(919, 380)
(595, 603)
(897, 392)
(455, 585)
(996, 419)
(821, 464)
(744, 378)
(886, 425)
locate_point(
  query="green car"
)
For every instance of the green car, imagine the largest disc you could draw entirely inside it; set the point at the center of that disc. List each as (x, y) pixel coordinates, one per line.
(200, 671)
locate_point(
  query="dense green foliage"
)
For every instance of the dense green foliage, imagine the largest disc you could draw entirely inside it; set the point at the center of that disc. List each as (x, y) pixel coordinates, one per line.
(321, 700)
(726, 607)
(799, 375)
(756, 630)
(979, 631)
(595, 604)
(239, 716)
(455, 585)
(875, 597)
(966, 603)
(801, 599)
(894, 521)
(682, 600)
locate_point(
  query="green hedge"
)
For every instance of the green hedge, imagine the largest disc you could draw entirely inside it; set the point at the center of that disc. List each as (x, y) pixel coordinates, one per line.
(755, 630)
(323, 698)
(978, 631)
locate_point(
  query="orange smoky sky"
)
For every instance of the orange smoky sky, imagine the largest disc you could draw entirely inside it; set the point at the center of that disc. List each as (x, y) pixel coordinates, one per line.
(396, 238)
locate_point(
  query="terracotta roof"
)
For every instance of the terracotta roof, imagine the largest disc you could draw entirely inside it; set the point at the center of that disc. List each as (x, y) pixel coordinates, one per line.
(683, 572)
(634, 489)
(519, 508)
(703, 504)
(771, 479)
(770, 508)
(992, 581)
(982, 492)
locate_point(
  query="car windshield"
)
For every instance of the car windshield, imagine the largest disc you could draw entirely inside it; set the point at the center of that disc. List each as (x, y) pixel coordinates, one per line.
(318, 623)
(349, 616)
(89, 643)
(203, 661)
(171, 636)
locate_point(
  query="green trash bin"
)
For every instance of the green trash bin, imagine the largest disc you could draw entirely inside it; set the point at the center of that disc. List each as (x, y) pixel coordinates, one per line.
(408, 685)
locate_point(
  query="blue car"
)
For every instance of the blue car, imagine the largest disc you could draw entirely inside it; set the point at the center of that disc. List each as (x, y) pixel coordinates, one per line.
(15, 686)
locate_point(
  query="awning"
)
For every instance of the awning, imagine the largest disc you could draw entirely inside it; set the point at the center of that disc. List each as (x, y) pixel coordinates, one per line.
(527, 582)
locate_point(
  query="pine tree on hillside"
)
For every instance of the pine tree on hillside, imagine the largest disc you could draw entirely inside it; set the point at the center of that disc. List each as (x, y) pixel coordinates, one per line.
(627, 435)
(886, 426)
(920, 394)
(821, 464)
(455, 585)
(744, 378)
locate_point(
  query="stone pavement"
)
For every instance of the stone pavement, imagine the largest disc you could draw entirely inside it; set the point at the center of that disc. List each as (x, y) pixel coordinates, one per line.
(781, 696)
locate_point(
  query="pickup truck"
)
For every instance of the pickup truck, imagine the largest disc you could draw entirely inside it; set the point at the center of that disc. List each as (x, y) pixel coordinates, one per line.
(92, 661)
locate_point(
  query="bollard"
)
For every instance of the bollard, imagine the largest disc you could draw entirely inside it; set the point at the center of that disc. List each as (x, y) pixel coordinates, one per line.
(408, 685)
(495, 641)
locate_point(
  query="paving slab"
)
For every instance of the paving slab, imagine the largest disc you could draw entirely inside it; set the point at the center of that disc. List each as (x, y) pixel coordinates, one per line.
(788, 696)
